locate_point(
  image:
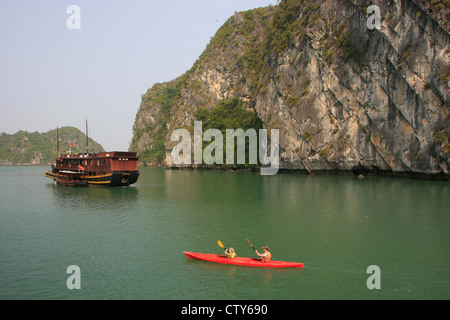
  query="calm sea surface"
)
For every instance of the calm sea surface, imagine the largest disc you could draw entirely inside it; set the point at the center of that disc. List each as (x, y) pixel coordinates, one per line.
(128, 242)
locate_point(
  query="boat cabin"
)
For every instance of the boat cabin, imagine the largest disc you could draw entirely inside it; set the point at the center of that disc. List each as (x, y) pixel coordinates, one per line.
(98, 164)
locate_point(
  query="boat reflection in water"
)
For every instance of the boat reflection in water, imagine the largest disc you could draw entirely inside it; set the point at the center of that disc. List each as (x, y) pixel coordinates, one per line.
(102, 201)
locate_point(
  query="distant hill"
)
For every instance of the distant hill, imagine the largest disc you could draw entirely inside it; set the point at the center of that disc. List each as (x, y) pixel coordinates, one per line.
(25, 148)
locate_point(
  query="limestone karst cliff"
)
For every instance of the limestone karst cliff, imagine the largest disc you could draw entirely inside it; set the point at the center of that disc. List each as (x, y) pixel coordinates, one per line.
(345, 97)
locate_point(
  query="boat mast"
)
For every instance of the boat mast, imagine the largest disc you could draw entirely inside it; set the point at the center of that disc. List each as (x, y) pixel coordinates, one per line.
(57, 142)
(87, 137)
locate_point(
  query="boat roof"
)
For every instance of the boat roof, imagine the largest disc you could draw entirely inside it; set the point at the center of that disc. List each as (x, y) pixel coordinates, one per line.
(109, 154)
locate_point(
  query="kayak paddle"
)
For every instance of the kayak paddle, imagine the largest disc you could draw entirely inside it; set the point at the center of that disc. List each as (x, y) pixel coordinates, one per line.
(221, 244)
(252, 245)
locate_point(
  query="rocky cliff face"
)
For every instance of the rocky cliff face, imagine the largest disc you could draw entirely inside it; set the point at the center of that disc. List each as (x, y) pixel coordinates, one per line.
(345, 97)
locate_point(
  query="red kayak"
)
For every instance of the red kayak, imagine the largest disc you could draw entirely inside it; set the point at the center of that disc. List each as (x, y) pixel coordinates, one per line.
(250, 262)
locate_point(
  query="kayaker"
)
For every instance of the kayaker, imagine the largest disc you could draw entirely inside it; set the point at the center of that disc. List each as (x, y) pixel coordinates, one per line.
(266, 256)
(231, 254)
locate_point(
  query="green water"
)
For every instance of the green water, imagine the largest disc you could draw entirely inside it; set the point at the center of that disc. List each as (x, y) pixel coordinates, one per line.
(129, 242)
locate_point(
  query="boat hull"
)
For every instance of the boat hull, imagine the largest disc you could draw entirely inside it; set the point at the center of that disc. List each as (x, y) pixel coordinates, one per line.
(72, 183)
(249, 262)
(112, 179)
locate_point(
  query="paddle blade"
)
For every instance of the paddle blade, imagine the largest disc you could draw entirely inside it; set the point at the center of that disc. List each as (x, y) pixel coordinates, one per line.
(220, 244)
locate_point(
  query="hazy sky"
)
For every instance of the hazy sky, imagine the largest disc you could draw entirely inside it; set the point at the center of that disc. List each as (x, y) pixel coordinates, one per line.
(52, 76)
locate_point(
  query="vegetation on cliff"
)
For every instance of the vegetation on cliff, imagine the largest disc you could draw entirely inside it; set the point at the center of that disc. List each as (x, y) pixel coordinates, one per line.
(229, 114)
(161, 96)
(41, 148)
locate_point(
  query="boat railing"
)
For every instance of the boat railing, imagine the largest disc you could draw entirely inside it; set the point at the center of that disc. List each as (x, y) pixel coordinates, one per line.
(79, 155)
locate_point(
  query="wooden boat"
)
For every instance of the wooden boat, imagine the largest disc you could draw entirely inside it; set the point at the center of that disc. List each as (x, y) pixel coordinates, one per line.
(116, 168)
